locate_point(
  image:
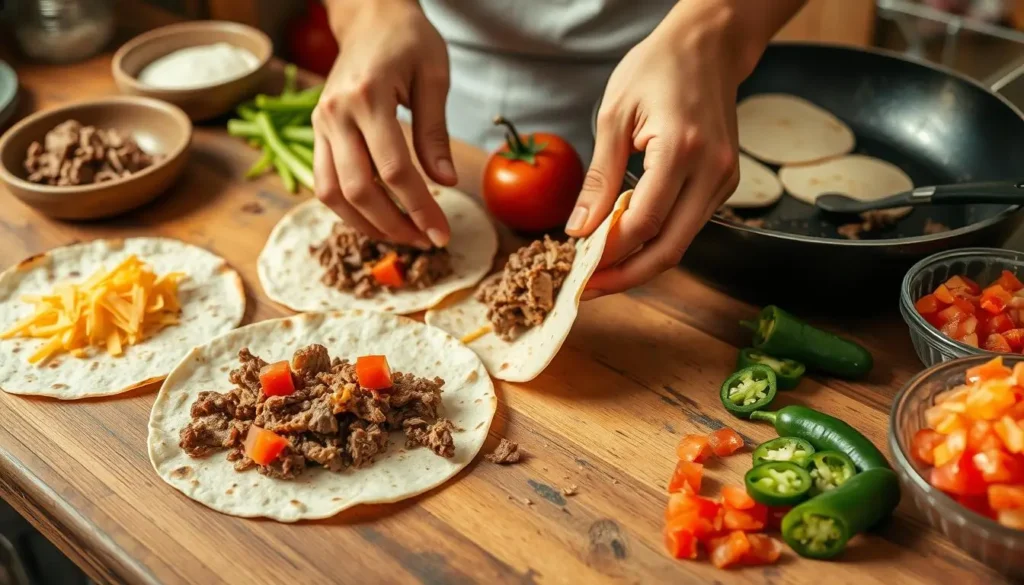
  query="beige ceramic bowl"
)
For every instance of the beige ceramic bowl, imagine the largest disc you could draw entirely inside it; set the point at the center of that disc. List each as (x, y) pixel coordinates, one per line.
(201, 103)
(159, 128)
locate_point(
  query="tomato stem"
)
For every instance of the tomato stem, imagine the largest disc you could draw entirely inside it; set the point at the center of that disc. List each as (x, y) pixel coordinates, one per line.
(515, 142)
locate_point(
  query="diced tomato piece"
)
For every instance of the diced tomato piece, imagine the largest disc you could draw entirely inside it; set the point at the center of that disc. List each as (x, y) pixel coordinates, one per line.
(965, 305)
(998, 466)
(977, 504)
(263, 446)
(995, 299)
(924, 443)
(959, 477)
(1006, 497)
(1011, 518)
(388, 271)
(962, 283)
(750, 520)
(686, 504)
(693, 448)
(775, 516)
(276, 379)
(764, 550)
(954, 394)
(373, 372)
(680, 543)
(943, 295)
(970, 339)
(951, 314)
(1015, 339)
(699, 516)
(990, 370)
(1010, 434)
(725, 441)
(950, 449)
(989, 324)
(686, 474)
(728, 550)
(737, 498)
(928, 305)
(952, 422)
(1009, 282)
(991, 400)
(982, 437)
(997, 343)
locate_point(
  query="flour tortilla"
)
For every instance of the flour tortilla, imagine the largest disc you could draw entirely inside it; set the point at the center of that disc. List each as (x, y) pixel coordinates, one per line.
(861, 177)
(212, 301)
(785, 129)
(524, 358)
(290, 275)
(468, 399)
(758, 187)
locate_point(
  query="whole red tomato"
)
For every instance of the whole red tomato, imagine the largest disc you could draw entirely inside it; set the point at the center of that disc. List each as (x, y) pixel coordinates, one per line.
(311, 43)
(532, 182)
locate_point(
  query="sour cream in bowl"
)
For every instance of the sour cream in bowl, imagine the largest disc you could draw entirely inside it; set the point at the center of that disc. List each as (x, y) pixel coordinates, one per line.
(204, 67)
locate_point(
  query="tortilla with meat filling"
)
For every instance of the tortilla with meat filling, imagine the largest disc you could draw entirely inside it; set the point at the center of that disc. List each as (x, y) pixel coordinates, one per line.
(295, 278)
(328, 418)
(397, 472)
(520, 350)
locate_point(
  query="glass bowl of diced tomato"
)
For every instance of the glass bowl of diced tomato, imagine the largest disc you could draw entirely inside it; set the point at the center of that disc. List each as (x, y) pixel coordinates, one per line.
(956, 433)
(965, 302)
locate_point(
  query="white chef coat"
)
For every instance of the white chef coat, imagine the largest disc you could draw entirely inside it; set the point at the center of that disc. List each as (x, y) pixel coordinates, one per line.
(541, 63)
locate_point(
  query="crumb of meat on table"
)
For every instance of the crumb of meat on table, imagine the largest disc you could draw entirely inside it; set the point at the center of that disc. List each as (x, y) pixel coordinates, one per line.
(505, 453)
(572, 490)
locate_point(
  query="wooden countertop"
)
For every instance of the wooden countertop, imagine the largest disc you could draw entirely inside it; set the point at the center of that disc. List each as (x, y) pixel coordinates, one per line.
(637, 372)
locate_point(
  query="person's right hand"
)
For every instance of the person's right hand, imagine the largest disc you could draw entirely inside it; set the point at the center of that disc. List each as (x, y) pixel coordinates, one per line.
(390, 55)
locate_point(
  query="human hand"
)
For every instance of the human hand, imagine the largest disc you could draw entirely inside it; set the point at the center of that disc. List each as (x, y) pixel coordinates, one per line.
(673, 97)
(390, 55)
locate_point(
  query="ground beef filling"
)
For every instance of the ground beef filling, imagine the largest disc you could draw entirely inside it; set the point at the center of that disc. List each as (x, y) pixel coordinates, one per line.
(329, 420)
(348, 258)
(526, 291)
(73, 154)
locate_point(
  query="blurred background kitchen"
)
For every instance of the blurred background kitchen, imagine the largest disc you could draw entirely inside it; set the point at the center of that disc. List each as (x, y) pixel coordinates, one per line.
(983, 39)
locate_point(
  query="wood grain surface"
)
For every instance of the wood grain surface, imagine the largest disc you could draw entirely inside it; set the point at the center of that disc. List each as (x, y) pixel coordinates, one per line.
(637, 372)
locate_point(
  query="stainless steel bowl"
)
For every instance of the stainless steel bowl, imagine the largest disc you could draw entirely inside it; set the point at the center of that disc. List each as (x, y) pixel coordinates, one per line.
(982, 265)
(997, 546)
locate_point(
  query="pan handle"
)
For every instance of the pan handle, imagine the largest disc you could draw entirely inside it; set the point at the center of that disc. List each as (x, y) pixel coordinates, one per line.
(1005, 77)
(1010, 192)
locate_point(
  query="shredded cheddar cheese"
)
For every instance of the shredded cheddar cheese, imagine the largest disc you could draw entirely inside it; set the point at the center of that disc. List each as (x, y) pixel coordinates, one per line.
(474, 335)
(110, 310)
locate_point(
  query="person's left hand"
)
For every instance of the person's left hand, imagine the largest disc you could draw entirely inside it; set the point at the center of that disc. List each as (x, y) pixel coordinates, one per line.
(673, 97)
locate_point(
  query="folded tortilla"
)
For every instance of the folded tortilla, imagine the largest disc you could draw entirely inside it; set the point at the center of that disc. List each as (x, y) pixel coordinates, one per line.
(468, 400)
(212, 302)
(525, 357)
(290, 275)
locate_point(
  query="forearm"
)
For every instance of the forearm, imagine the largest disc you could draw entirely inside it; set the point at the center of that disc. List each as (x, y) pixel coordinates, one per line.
(742, 27)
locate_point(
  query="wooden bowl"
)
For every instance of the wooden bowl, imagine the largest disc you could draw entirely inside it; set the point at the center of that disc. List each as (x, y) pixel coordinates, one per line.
(200, 103)
(158, 127)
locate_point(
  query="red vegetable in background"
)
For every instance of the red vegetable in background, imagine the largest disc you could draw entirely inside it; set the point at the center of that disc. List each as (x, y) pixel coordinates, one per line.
(311, 43)
(532, 182)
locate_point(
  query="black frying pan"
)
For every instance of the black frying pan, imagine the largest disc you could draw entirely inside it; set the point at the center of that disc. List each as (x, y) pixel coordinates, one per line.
(938, 126)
